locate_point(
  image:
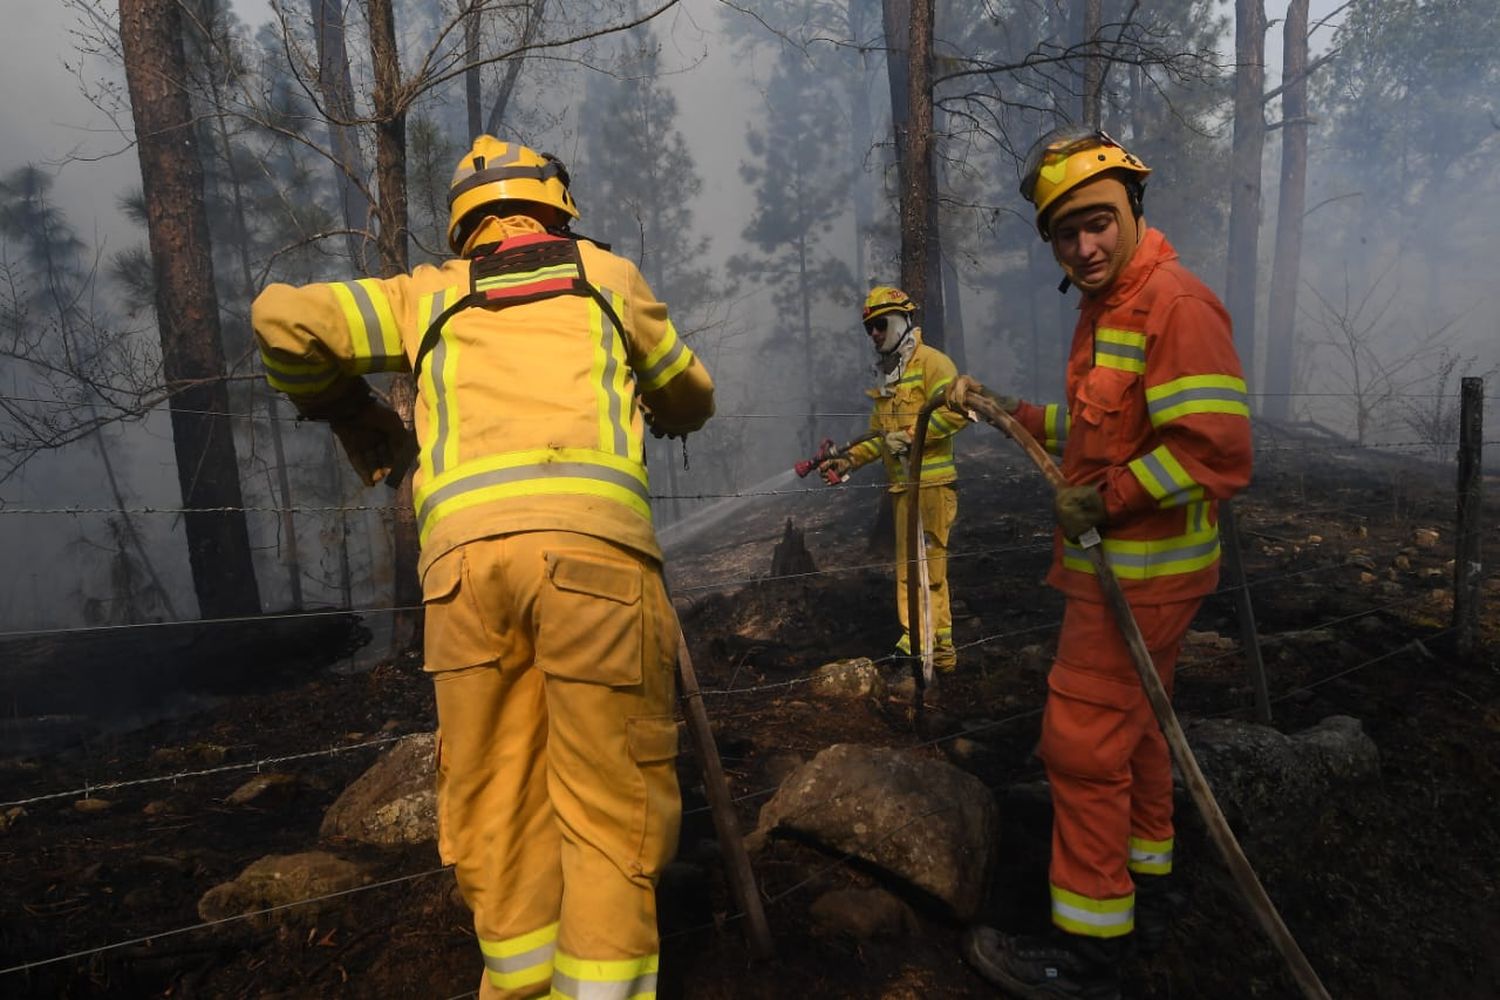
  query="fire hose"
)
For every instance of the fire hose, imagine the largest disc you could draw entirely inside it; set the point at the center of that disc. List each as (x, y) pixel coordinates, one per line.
(1203, 797)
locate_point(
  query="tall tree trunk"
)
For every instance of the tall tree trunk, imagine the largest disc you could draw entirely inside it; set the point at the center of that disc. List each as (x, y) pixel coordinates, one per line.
(1244, 174)
(909, 65)
(953, 315)
(1281, 333)
(859, 146)
(1093, 65)
(187, 308)
(390, 209)
(337, 87)
(473, 100)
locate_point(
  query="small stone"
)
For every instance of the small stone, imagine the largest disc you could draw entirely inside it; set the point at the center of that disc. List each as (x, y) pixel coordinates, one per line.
(157, 807)
(1367, 578)
(265, 789)
(1425, 538)
(856, 678)
(1314, 539)
(1362, 561)
(92, 805)
(1402, 563)
(1361, 532)
(10, 818)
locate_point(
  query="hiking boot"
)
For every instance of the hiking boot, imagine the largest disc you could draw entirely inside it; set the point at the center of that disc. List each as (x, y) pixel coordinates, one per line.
(1046, 968)
(1157, 904)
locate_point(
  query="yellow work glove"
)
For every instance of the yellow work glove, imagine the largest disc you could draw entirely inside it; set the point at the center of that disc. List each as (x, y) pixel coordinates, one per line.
(835, 470)
(898, 443)
(965, 387)
(1078, 508)
(377, 442)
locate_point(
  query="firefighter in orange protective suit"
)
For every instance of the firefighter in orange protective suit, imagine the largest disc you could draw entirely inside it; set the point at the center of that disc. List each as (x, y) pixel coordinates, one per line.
(911, 373)
(1155, 431)
(538, 356)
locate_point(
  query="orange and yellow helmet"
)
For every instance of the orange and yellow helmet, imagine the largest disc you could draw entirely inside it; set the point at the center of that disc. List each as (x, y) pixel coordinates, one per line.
(1067, 157)
(886, 299)
(493, 170)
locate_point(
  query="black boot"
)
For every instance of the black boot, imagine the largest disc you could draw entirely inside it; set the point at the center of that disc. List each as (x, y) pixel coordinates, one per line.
(1046, 968)
(1157, 904)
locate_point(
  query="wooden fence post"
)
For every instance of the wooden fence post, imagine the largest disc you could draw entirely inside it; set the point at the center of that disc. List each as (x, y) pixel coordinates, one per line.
(1467, 562)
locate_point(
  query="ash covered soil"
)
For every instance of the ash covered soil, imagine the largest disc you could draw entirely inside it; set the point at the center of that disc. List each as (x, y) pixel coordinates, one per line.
(1389, 886)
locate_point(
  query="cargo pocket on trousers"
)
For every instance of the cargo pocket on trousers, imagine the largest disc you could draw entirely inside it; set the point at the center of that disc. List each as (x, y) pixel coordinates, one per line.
(653, 746)
(1089, 726)
(454, 632)
(589, 624)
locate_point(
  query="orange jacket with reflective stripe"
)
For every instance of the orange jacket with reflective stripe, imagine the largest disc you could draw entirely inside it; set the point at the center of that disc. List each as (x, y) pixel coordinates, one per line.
(896, 409)
(1156, 415)
(527, 416)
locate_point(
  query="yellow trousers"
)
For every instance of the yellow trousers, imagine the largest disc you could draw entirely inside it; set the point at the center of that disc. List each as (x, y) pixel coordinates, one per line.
(552, 655)
(939, 510)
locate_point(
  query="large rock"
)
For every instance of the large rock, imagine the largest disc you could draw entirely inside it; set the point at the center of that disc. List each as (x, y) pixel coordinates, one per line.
(1260, 775)
(394, 802)
(922, 820)
(856, 678)
(279, 879)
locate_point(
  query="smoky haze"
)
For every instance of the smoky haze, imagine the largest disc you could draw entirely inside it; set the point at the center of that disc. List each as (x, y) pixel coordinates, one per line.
(729, 154)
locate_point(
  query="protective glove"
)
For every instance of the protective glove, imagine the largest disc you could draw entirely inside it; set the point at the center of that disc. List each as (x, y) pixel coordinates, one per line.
(377, 442)
(898, 443)
(1078, 508)
(965, 387)
(835, 470)
(650, 418)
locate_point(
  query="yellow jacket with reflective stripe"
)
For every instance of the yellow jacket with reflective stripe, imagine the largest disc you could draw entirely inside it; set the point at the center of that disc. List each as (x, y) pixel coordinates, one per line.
(1157, 415)
(527, 416)
(897, 407)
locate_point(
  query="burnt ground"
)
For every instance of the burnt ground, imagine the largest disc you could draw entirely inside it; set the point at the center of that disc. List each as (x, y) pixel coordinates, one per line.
(1389, 887)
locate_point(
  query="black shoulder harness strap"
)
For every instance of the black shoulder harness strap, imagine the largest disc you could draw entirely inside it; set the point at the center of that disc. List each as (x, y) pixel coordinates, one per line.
(521, 269)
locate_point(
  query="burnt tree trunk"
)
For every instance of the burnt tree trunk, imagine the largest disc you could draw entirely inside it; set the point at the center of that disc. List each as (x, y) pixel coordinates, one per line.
(336, 86)
(187, 309)
(390, 210)
(1244, 175)
(1093, 65)
(473, 98)
(1281, 327)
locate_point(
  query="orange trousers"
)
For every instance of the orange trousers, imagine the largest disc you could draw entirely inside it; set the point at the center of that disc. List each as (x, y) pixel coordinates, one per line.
(1108, 765)
(552, 656)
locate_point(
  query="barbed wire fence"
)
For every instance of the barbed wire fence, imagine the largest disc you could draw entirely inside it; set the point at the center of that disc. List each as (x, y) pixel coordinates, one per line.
(1407, 499)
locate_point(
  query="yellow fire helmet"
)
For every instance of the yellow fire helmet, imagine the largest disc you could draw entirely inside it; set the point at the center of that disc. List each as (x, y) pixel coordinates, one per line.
(504, 171)
(1066, 157)
(885, 299)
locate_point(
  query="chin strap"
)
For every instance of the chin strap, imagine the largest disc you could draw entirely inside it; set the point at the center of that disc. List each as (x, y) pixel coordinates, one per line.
(893, 362)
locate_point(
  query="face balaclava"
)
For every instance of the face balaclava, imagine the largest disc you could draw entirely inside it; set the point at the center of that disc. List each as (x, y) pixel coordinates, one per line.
(896, 345)
(1106, 192)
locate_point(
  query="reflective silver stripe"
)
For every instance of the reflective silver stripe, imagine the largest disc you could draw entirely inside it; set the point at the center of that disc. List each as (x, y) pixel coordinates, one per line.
(439, 390)
(522, 961)
(609, 337)
(1193, 395)
(522, 473)
(578, 989)
(1138, 856)
(1197, 516)
(366, 305)
(1120, 351)
(667, 360)
(1077, 914)
(1164, 477)
(1142, 560)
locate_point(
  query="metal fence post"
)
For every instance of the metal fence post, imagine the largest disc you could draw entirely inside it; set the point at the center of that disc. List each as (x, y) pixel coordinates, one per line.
(1467, 562)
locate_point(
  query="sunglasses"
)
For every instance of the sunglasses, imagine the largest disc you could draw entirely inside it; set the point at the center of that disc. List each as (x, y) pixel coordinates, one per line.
(879, 323)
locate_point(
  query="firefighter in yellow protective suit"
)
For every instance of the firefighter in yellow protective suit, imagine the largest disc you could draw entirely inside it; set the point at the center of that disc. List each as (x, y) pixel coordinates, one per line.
(912, 373)
(539, 358)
